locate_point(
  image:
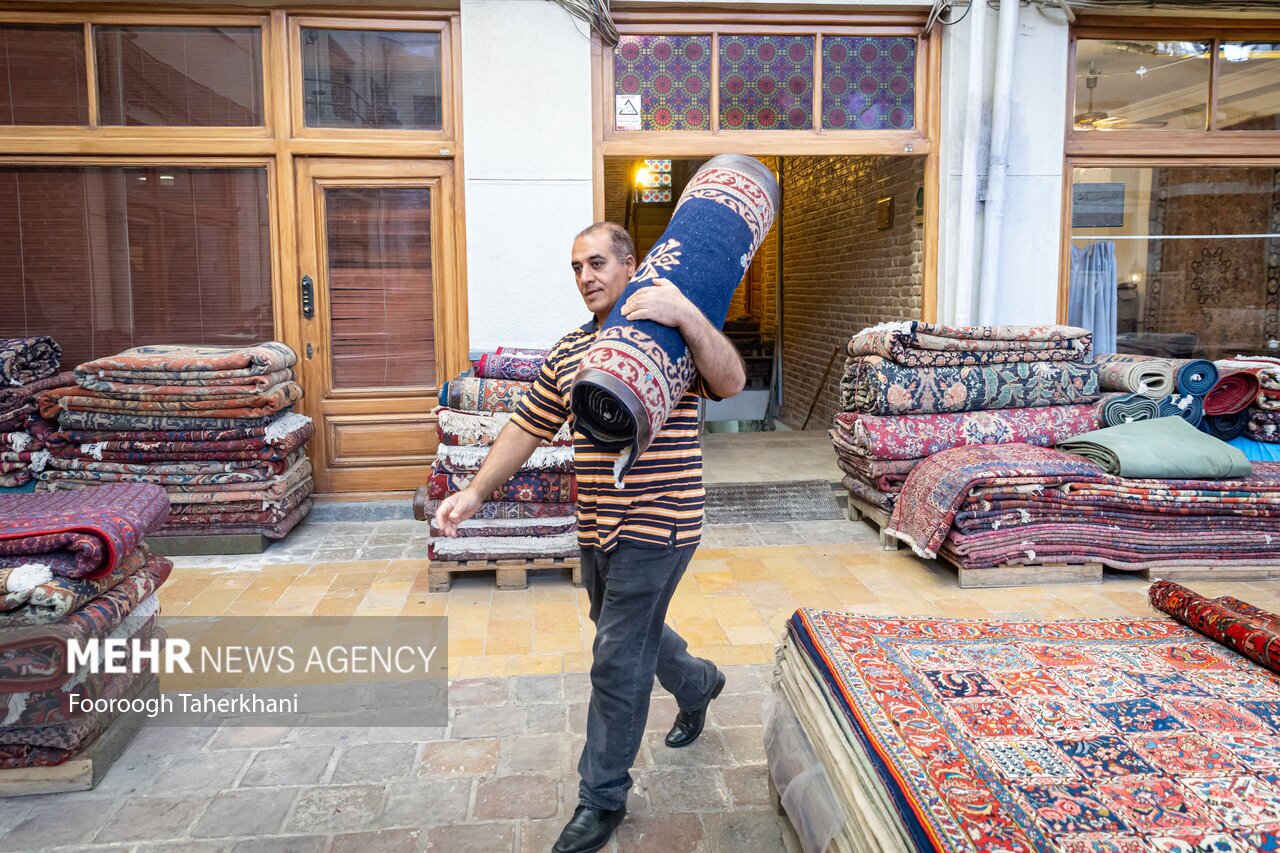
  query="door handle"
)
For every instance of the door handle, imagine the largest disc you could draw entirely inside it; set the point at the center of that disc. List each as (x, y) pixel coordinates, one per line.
(308, 297)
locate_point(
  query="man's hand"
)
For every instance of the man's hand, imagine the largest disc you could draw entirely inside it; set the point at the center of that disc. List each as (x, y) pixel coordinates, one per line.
(662, 302)
(456, 509)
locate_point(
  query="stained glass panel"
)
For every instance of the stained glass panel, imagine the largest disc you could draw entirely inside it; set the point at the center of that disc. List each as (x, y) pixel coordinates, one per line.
(672, 77)
(766, 82)
(868, 83)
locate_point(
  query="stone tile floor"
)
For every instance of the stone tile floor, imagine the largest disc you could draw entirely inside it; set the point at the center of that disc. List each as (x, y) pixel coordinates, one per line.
(500, 777)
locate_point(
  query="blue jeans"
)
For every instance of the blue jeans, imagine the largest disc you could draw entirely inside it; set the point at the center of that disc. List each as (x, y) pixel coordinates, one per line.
(630, 589)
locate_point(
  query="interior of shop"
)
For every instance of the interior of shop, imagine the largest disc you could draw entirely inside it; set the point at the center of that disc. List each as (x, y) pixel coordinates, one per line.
(844, 253)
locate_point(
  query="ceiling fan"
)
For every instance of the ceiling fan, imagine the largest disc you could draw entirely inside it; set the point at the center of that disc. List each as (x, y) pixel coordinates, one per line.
(1092, 119)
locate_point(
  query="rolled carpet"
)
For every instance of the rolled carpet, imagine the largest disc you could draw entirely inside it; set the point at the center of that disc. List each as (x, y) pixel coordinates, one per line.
(498, 365)
(1194, 376)
(26, 360)
(1148, 378)
(1226, 427)
(1184, 406)
(1264, 425)
(1123, 408)
(1234, 392)
(1164, 449)
(635, 373)
(1257, 638)
(473, 394)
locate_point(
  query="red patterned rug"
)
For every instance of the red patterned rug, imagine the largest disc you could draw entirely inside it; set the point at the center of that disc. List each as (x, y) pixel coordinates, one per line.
(1100, 735)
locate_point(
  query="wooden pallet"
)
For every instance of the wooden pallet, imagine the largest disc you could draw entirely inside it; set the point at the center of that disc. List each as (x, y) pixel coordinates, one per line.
(996, 576)
(1213, 573)
(83, 771)
(860, 510)
(511, 574)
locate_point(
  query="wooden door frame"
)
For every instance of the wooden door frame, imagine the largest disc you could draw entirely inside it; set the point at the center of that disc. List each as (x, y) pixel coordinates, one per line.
(404, 408)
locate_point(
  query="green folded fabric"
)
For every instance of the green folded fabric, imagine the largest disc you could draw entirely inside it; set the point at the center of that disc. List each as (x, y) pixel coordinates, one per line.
(1159, 449)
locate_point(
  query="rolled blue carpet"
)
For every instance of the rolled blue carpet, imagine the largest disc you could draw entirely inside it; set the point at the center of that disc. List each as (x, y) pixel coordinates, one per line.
(1122, 408)
(1194, 376)
(1226, 427)
(636, 372)
(1186, 406)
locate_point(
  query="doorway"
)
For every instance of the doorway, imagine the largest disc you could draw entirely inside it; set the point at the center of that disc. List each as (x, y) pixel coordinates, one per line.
(375, 255)
(846, 251)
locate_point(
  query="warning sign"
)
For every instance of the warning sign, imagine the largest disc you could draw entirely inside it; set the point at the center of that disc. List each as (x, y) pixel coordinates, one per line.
(626, 112)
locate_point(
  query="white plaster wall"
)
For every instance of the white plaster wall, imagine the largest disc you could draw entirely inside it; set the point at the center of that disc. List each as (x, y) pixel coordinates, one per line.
(1029, 256)
(526, 92)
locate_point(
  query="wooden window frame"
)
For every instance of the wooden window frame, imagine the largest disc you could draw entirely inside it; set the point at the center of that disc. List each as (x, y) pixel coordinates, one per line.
(1144, 162)
(1156, 148)
(180, 162)
(169, 134)
(442, 138)
(1167, 143)
(816, 140)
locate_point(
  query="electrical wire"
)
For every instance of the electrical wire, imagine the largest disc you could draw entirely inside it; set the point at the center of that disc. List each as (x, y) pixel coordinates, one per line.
(597, 16)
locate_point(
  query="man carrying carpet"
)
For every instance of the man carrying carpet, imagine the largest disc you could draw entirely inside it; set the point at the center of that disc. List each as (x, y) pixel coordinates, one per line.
(636, 538)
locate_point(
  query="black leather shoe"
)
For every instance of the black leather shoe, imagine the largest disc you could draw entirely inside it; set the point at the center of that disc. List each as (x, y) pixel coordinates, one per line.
(689, 723)
(588, 830)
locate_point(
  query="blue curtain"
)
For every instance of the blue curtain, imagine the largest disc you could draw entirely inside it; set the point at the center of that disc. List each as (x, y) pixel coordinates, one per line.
(1091, 302)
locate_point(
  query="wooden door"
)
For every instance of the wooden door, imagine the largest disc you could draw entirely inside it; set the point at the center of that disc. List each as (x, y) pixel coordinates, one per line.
(376, 268)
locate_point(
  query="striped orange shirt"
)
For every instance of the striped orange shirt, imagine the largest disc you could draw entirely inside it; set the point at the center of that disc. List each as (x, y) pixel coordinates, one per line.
(662, 498)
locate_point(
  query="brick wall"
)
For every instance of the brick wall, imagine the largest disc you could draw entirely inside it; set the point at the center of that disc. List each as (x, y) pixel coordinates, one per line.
(841, 274)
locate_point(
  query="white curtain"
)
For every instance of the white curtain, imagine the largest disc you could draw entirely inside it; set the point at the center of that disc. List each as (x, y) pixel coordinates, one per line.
(1091, 301)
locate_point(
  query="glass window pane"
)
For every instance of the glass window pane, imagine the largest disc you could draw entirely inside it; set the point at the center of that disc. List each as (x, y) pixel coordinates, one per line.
(371, 79)
(1248, 86)
(672, 77)
(1141, 85)
(868, 82)
(180, 76)
(382, 324)
(1197, 258)
(42, 75)
(108, 258)
(766, 82)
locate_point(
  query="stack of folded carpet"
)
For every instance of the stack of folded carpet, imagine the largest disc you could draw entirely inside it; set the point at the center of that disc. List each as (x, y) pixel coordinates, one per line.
(28, 366)
(1138, 496)
(532, 514)
(889, 733)
(213, 425)
(72, 566)
(913, 389)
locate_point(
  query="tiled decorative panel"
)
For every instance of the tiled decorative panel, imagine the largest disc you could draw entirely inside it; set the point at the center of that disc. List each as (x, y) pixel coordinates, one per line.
(655, 196)
(672, 76)
(766, 82)
(868, 83)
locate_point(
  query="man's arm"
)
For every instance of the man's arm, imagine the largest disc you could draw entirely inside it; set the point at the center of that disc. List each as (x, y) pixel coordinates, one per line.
(510, 450)
(713, 354)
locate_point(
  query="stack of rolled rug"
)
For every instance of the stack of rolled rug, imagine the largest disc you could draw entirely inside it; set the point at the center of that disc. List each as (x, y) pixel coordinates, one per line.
(532, 514)
(914, 389)
(1145, 387)
(1259, 419)
(72, 565)
(28, 366)
(212, 425)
